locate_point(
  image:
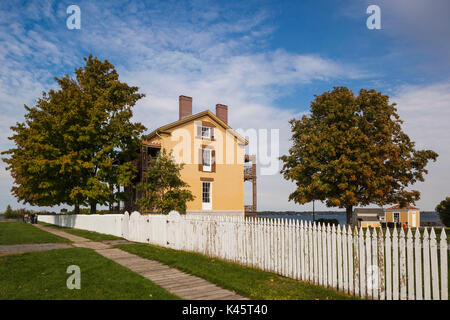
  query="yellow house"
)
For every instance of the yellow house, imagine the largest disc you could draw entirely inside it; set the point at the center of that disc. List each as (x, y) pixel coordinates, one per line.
(214, 159)
(408, 215)
(368, 217)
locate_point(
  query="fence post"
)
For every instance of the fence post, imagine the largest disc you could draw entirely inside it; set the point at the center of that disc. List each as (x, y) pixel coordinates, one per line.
(444, 273)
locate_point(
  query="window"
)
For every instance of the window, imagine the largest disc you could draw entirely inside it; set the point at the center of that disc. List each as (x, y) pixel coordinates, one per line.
(397, 217)
(206, 133)
(206, 196)
(207, 159)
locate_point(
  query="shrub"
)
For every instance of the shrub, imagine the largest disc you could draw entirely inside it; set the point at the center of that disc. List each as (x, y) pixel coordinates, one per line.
(16, 214)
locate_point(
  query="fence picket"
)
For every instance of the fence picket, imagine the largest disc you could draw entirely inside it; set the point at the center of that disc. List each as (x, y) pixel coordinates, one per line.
(443, 246)
(426, 266)
(395, 267)
(434, 265)
(381, 266)
(350, 260)
(369, 264)
(357, 261)
(375, 274)
(410, 264)
(418, 264)
(402, 250)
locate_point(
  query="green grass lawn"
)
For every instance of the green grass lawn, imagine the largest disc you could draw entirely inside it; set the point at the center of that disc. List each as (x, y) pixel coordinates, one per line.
(91, 235)
(249, 282)
(22, 233)
(42, 275)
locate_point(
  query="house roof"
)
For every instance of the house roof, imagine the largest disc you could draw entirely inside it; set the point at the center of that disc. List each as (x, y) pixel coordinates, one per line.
(192, 118)
(368, 218)
(398, 207)
(369, 210)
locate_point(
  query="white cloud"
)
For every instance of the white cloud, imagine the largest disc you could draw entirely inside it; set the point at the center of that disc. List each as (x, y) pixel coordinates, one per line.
(426, 113)
(213, 56)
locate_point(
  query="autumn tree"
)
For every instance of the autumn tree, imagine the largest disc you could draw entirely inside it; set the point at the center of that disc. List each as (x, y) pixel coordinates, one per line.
(163, 189)
(352, 151)
(77, 143)
(443, 208)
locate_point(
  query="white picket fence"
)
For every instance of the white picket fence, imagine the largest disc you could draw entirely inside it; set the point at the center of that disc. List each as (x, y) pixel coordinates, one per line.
(361, 262)
(365, 262)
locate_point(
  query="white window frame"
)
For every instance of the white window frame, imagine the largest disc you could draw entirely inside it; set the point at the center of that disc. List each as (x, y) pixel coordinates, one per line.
(207, 205)
(203, 135)
(393, 217)
(207, 166)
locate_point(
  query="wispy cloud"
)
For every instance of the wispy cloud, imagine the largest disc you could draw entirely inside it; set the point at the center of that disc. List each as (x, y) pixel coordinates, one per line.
(214, 53)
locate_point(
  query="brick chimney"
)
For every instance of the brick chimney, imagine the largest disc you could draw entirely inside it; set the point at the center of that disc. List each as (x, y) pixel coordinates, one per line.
(222, 112)
(185, 108)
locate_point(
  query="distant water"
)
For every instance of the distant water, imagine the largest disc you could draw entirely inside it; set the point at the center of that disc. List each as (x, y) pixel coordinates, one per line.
(341, 218)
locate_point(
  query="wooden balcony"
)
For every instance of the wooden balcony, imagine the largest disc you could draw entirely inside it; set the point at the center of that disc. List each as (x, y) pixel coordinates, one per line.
(249, 173)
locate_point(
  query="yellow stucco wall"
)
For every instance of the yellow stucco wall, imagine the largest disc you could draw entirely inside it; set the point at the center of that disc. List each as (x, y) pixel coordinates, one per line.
(373, 224)
(405, 216)
(228, 184)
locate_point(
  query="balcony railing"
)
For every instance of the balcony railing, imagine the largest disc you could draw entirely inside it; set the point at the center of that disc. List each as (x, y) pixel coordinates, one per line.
(249, 173)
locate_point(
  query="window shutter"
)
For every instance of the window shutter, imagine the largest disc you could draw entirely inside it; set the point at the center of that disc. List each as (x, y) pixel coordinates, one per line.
(213, 160)
(200, 159)
(199, 131)
(212, 133)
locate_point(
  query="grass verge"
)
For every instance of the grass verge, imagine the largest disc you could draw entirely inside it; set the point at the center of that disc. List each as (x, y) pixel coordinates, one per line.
(246, 281)
(42, 275)
(23, 233)
(91, 235)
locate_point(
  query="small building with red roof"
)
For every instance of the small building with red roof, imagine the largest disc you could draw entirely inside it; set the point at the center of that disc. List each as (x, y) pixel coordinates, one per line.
(403, 215)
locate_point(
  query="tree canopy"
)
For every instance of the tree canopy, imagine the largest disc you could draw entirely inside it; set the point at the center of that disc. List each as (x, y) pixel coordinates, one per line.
(443, 208)
(77, 143)
(351, 150)
(163, 189)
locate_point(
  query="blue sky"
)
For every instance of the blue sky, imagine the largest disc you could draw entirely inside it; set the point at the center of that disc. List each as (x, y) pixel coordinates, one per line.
(264, 59)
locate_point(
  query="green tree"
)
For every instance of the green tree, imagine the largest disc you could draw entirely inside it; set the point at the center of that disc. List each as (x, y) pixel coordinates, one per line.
(163, 189)
(78, 142)
(352, 151)
(8, 212)
(443, 209)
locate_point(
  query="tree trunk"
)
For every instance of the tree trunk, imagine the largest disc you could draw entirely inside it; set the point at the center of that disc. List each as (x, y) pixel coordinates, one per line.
(349, 211)
(93, 208)
(77, 209)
